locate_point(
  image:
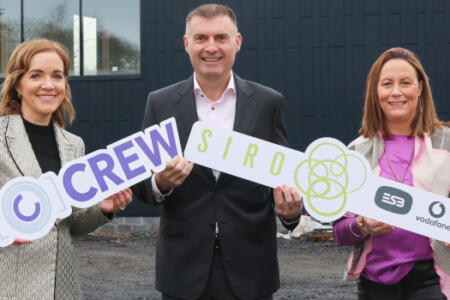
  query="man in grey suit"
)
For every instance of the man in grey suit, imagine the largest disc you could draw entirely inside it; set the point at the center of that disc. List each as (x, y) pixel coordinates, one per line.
(217, 232)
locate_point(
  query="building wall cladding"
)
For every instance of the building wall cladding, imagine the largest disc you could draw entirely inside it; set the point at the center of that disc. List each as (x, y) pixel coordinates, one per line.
(316, 52)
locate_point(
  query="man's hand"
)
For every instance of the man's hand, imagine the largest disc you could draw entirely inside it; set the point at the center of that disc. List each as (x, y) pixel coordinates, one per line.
(176, 171)
(117, 201)
(288, 202)
(373, 227)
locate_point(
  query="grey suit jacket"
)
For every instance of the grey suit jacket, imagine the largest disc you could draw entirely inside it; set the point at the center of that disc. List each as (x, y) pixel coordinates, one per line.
(44, 269)
(242, 209)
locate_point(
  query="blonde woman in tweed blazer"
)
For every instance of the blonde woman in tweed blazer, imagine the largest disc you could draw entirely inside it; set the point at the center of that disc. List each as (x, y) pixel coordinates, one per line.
(36, 92)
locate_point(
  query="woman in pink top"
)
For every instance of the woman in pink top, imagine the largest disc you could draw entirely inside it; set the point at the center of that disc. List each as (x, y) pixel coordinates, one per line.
(403, 139)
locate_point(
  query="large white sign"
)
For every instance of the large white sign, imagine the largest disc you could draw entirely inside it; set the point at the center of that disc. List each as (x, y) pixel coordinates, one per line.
(331, 178)
(30, 207)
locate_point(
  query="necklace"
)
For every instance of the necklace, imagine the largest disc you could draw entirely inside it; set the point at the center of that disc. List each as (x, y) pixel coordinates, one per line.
(407, 166)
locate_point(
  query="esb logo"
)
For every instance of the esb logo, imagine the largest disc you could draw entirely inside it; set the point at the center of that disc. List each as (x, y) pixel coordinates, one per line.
(393, 200)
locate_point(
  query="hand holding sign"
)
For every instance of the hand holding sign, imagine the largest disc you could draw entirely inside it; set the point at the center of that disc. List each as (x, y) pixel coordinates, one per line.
(368, 226)
(20, 241)
(176, 171)
(117, 202)
(288, 202)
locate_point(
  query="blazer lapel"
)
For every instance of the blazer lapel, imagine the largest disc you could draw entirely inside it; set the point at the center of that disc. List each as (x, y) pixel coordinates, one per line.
(372, 149)
(20, 147)
(186, 112)
(65, 148)
(245, 106)
(186, 116)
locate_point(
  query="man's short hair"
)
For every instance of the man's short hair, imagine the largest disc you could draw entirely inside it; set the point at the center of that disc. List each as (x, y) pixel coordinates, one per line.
(211, 10)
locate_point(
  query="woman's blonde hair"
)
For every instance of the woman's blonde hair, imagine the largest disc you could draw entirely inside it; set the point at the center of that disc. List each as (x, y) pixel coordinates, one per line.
(425, 120)
(18, 65)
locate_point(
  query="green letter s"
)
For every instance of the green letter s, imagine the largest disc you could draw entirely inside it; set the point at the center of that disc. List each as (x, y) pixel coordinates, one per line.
(205, 146)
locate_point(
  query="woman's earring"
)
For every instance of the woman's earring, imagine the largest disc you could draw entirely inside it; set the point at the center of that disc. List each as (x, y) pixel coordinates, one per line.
(420, 106)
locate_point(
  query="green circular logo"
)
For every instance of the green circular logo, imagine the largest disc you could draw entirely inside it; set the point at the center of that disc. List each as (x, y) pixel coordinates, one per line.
(324, 178)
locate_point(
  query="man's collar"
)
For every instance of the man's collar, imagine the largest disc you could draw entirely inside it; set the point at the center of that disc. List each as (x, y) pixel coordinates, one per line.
(231, 84)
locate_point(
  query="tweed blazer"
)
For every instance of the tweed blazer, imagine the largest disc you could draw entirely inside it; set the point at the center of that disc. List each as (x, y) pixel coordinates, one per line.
(44, 269)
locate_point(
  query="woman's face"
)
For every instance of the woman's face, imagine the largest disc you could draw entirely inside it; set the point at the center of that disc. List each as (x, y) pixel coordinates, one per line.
(42, 87)
(398, 92)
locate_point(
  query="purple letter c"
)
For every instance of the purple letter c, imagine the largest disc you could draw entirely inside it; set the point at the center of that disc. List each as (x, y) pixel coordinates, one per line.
(68, 186)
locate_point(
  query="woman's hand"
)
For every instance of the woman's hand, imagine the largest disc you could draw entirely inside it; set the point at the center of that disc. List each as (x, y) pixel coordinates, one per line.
(20, 241)
(369, 226)
(117, 201)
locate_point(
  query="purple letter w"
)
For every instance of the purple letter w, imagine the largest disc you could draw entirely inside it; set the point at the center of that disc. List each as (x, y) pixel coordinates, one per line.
(156, 140)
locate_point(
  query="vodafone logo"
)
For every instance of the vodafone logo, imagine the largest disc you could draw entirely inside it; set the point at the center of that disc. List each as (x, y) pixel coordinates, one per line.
(436, 209)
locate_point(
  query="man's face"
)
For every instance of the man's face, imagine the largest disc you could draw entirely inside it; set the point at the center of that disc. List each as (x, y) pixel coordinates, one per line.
(212, 45)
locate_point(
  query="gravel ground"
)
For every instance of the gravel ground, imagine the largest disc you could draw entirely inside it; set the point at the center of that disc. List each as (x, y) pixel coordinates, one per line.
(121, 266)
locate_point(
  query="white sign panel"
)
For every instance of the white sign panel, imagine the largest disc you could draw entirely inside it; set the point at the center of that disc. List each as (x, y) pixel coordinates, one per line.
(331, 179)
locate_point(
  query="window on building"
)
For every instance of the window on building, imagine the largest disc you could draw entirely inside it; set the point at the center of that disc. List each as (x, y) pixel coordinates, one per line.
(9, 30)
(105, 42)
(111, 37)
(52, 19)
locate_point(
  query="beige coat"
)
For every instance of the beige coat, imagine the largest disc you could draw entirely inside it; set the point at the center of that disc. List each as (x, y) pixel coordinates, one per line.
(45, 269)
